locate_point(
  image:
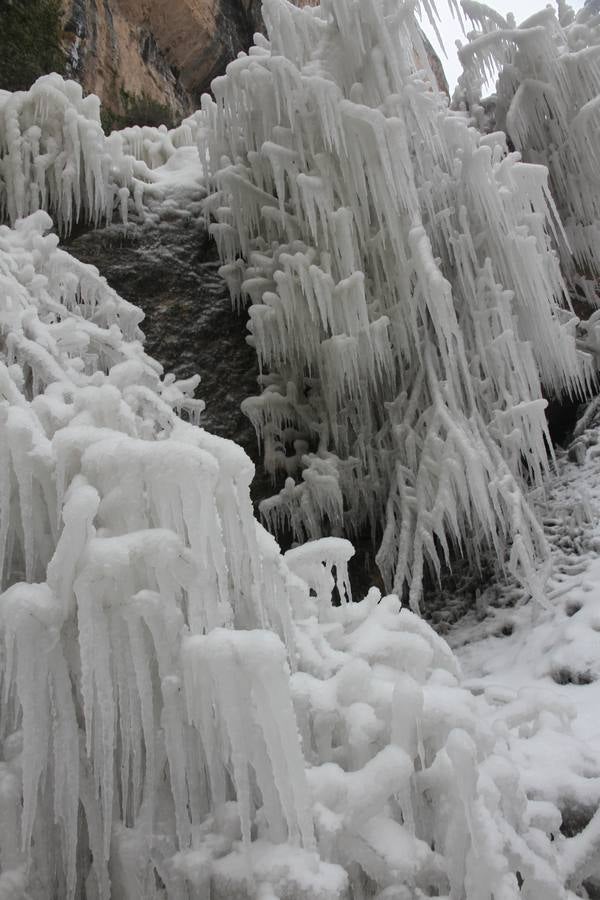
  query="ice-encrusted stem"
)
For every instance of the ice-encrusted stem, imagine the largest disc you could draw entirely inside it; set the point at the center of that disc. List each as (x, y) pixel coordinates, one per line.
(405, 299)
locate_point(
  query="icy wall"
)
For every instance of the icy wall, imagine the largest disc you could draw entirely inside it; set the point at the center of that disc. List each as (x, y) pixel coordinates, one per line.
(404, 299)
(183, 712)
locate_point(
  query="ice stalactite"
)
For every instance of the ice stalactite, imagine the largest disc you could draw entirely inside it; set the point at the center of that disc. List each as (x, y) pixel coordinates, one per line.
(548, 101)
(55, 156)
(404, 299)
(183, 711)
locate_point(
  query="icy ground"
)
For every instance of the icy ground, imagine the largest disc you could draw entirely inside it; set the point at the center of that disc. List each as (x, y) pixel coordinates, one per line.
(520, 656)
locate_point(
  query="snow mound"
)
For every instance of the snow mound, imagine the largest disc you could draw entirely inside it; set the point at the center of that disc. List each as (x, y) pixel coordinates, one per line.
(55, 156)
(183, 710)
(405, 302)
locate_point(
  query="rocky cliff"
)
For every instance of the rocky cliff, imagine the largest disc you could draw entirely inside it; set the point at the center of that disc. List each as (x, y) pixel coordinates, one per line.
(148, 60)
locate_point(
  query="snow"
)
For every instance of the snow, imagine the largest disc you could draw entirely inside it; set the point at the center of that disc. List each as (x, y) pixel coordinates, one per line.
(522, 660)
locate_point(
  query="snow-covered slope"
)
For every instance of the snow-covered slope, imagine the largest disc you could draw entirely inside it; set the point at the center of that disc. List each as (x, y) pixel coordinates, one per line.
(521, 657)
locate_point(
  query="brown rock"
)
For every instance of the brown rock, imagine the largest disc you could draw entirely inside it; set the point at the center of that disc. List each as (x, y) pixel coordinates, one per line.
(150, 60)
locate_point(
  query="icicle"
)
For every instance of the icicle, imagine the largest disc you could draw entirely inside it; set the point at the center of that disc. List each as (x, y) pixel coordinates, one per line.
(60, 159)
(392, 252)
(548, 82)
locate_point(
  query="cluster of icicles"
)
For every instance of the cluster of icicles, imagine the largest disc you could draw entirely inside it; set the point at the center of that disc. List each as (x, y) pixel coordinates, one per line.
(548, 102)
(183, 711)
(55, 156)
(404, 300)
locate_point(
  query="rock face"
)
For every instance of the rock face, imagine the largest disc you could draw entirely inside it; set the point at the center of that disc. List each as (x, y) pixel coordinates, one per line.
(150, 60)
(436, 66)
(170, 270)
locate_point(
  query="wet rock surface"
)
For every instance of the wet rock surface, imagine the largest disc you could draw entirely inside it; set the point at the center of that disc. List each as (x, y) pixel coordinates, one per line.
(170, 270)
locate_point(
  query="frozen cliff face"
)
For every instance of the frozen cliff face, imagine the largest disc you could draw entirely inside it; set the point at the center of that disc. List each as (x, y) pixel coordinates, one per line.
(183, 711)
(404, 299)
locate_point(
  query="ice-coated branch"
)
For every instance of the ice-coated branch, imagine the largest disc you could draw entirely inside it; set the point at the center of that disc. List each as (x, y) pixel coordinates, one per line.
(404, 297)
(547, 101)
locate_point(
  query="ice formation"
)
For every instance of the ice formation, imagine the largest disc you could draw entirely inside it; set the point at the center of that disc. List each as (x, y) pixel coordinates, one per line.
(405, 301)
(55, 156)
(548, 101)
(183, 712)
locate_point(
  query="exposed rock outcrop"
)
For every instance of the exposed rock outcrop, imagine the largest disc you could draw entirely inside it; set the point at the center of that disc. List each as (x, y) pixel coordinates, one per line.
(149, 61)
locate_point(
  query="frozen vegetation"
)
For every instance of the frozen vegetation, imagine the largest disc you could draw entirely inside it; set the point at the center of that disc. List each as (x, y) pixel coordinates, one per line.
(186, 713)
(405, 300)
(55, 156)
(548, 101)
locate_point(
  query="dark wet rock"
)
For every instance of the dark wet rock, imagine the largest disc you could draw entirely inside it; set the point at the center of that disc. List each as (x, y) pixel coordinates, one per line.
(170, 270)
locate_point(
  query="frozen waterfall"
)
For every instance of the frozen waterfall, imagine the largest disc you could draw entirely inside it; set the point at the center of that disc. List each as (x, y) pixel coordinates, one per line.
(547, 100)
(404, 297)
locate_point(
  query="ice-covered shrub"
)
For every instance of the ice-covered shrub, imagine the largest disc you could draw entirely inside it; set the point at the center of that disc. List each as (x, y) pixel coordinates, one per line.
(55, 156)
(404, 300)
(183, 713)
(548, 101)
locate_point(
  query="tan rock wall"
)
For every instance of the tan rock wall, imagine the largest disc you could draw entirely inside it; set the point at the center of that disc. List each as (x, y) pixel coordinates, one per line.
(166, 52)
(150, 60)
